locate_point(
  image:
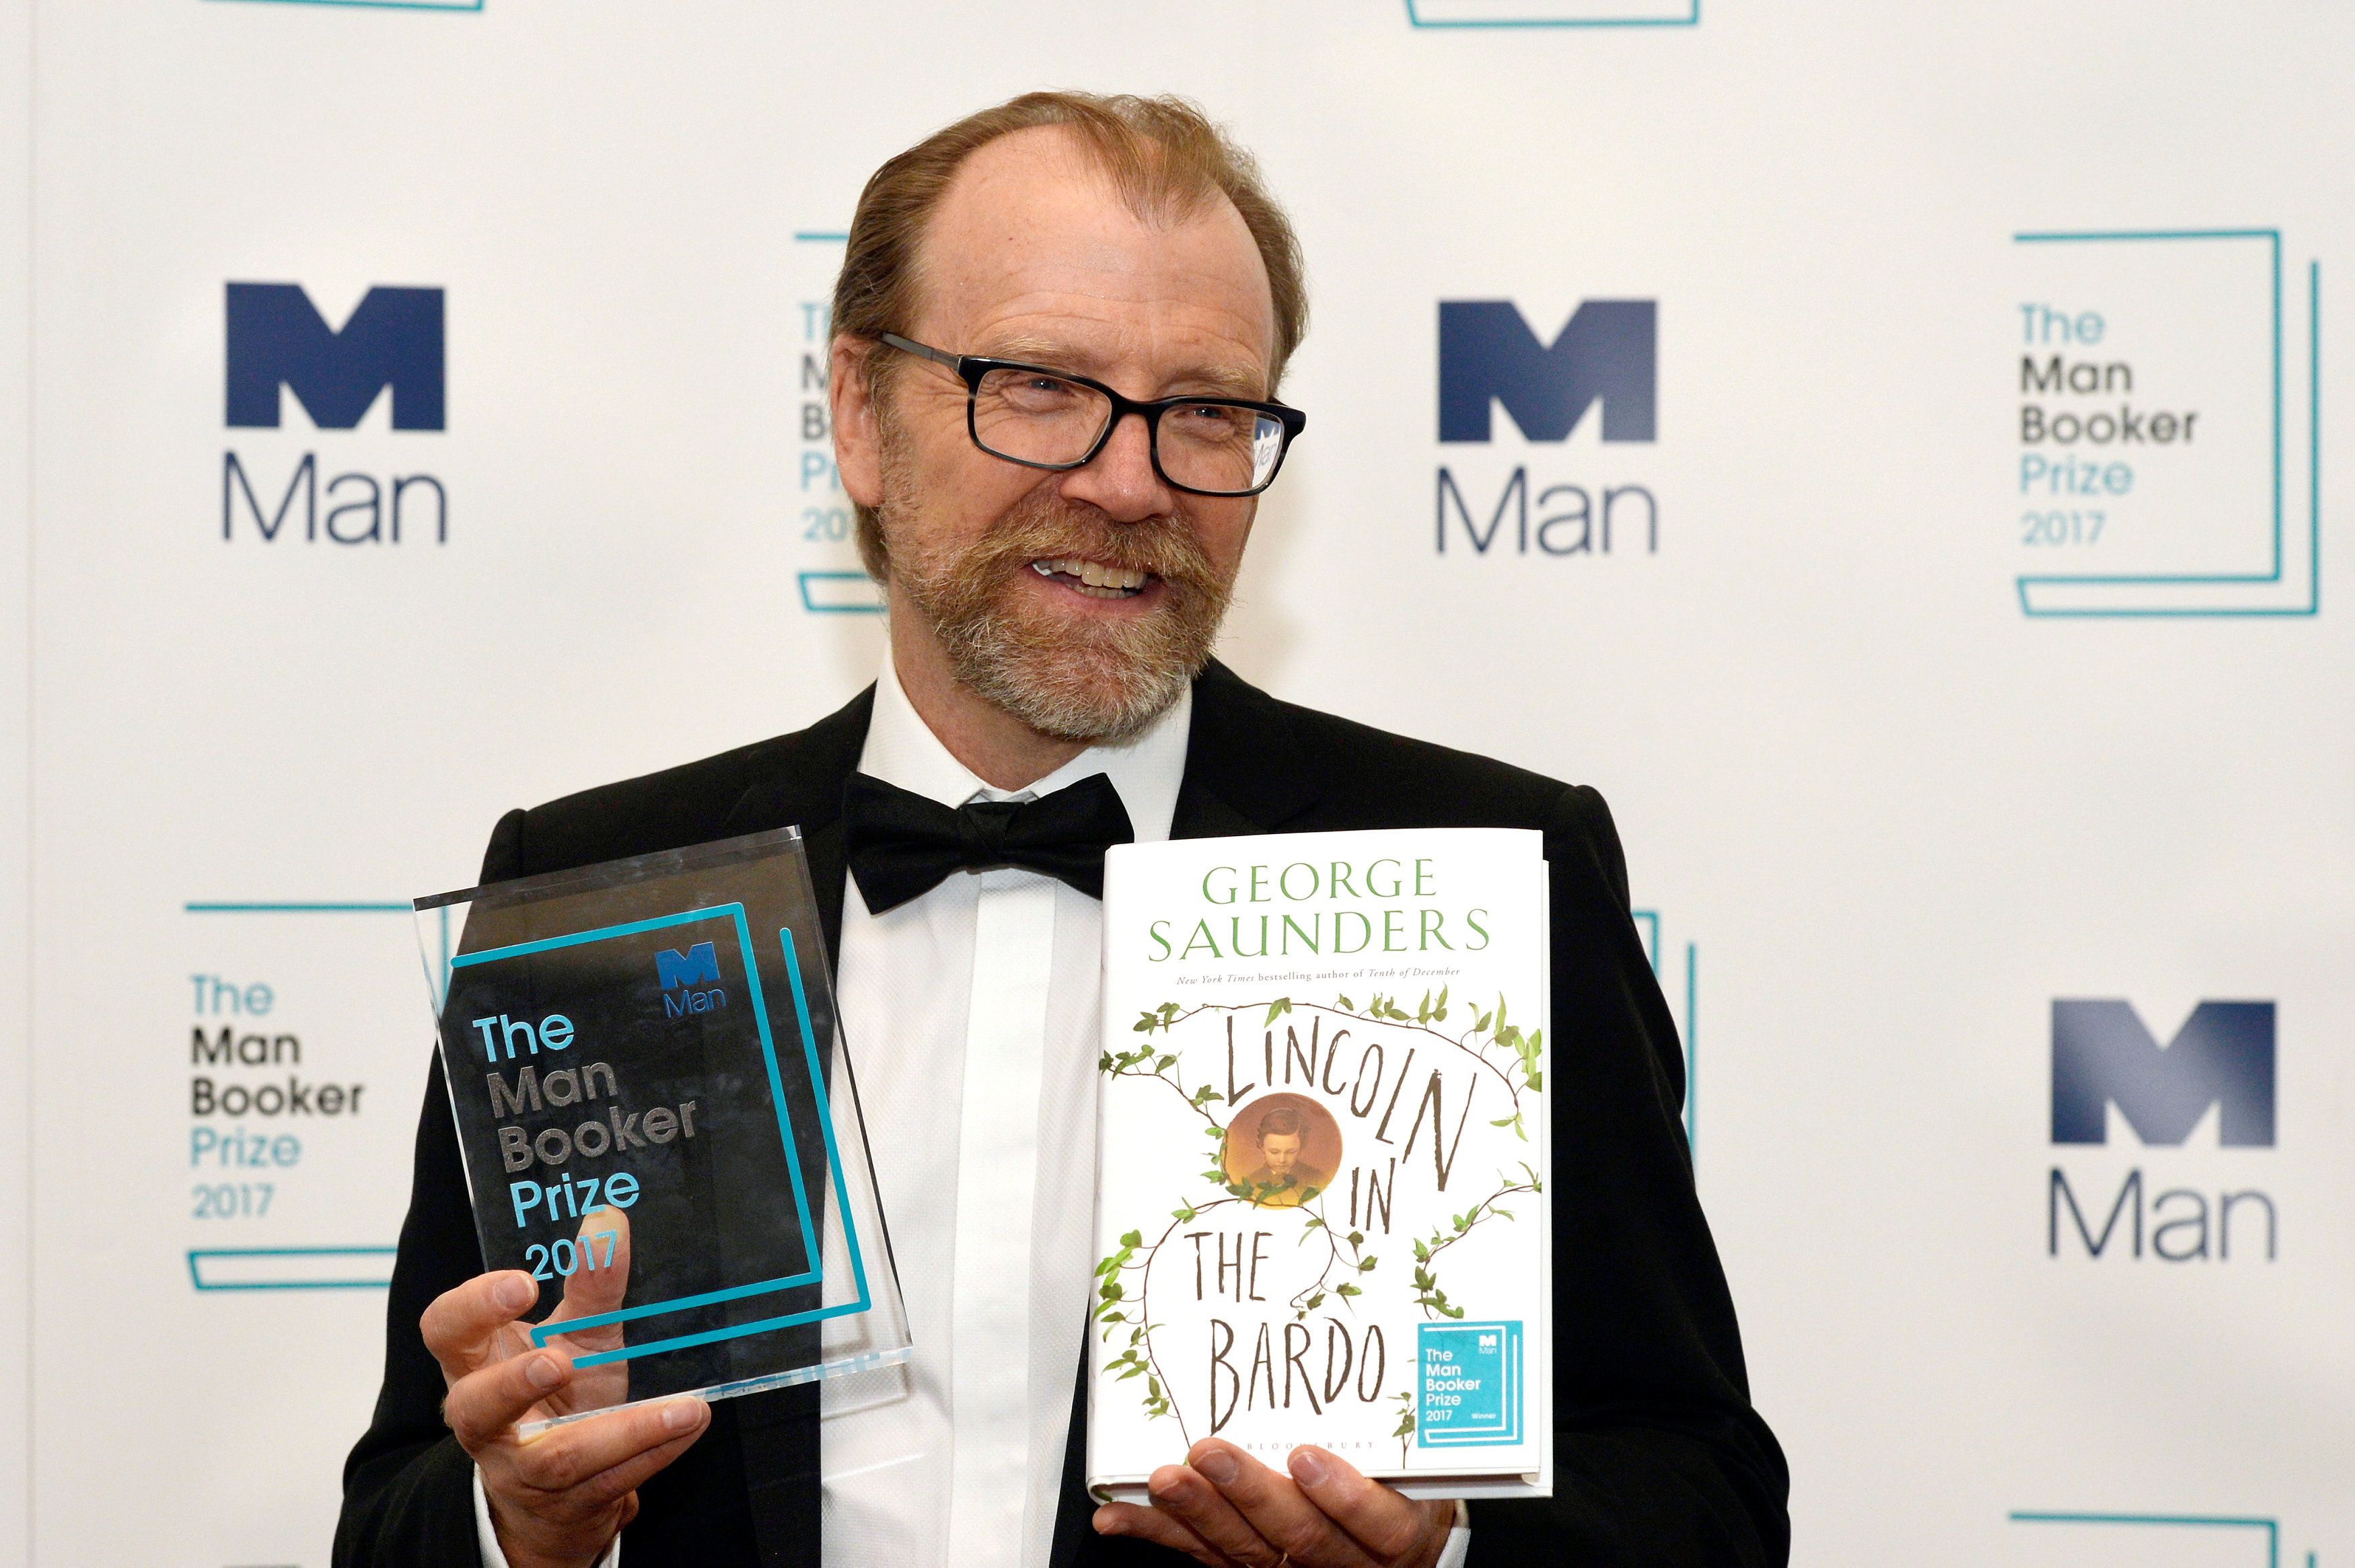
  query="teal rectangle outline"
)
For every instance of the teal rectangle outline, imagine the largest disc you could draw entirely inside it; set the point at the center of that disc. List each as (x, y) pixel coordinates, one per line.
(776, 1089)
(2217, 1522)
(209, 907)
(1511, 1433)
(1693, 20)
(379, 4)
(197, 1279)
(805, 578)
(2314, 598)
(195, 1275)
(861, 1301)
(541, 1333)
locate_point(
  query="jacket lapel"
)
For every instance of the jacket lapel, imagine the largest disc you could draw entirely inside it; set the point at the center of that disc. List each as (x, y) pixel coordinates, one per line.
(804, 789)
(778, 1431)
(1244, 770)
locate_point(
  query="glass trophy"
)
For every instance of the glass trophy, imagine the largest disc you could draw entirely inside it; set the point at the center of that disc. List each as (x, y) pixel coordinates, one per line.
(660, 1125)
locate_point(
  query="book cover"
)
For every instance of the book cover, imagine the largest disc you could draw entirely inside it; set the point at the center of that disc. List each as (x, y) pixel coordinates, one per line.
(1321, 1206)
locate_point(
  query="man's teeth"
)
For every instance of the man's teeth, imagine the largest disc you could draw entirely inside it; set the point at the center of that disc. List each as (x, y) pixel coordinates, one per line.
(1096, 580)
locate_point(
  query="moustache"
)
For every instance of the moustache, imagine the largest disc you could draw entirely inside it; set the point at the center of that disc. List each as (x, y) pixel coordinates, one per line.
(1167, 547)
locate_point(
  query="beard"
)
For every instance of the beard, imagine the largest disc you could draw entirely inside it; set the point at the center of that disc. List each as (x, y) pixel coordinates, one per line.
(1073, 677)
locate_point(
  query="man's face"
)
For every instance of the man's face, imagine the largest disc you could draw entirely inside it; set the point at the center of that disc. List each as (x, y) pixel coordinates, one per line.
(1282, 1151)
(1080, 602)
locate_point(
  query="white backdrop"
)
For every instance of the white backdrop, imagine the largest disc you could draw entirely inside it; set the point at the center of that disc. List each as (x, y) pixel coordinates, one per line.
(1888, 792)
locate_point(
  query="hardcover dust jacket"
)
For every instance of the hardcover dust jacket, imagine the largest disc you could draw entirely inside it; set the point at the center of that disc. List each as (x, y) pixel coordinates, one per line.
(1321, 1207)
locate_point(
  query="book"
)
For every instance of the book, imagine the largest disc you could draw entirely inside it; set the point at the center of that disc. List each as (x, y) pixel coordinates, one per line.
(1321, 1204)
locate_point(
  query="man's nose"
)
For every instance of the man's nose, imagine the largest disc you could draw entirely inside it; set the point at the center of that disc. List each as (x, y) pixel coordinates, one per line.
(1120, 479)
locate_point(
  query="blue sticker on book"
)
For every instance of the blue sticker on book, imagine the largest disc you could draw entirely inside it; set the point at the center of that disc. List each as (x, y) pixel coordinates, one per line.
(1471, 1385)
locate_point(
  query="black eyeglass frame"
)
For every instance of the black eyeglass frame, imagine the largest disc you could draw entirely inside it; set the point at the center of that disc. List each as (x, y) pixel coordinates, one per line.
(971, 368)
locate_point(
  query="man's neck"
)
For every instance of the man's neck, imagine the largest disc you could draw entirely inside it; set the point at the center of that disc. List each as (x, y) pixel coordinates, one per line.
(1002, 751)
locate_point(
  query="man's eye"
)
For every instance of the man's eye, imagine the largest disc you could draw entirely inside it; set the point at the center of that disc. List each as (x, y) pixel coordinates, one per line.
(1038, 393)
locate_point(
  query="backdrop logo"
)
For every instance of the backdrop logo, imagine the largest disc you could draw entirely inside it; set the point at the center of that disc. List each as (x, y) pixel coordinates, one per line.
(1600, 372)
(392, 339)
(2222, 1059)
(833, 583)
(391, 348)
(1553, 13)
(2169, 392)
(1607, 354)
(398, 5)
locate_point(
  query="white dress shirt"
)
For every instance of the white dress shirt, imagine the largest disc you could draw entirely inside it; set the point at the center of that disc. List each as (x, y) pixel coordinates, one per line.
(971, 1015)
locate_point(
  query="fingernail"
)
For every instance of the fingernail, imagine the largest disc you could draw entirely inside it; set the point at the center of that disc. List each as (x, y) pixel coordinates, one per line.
(1169, 1481)
(514, 1293)
(541, 1371)
(1306, 1468)
(1109, 1525)
(679, 1417)
(1216, 1467)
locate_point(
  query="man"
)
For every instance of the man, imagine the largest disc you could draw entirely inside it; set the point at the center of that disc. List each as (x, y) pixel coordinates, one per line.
(1281, 1181)
(1059, 327)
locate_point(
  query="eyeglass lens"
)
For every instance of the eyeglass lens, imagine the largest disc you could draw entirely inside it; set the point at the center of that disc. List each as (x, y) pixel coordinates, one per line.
(1032, 416)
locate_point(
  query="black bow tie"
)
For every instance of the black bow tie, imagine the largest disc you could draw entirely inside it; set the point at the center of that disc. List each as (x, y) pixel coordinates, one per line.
(903, 846)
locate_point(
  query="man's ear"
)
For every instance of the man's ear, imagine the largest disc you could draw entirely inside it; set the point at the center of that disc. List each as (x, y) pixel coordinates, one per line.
(857, 429)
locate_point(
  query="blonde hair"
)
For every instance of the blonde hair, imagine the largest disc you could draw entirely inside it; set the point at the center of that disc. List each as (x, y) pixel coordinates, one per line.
(1164, 158)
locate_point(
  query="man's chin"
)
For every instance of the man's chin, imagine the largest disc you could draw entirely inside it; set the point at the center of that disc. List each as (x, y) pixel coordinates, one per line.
(1078, 702)
(1079, 688)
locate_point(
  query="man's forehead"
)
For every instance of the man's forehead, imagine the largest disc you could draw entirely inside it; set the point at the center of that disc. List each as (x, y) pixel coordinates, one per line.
(1033, 239)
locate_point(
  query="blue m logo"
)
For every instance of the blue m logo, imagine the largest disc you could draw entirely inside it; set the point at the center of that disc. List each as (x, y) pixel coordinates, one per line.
(277, 337)
(1607, 352)
(2222, 1057)
(699, 965)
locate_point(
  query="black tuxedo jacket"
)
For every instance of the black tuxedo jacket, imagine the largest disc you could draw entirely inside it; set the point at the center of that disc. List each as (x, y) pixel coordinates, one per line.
(1658, 1456)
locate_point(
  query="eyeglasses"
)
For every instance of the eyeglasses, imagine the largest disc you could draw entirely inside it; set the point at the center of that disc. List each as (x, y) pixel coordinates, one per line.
(1053, 419)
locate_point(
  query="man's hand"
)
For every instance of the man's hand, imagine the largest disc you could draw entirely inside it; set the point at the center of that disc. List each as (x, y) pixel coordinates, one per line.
(1226, 1510)
(558, 1498)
